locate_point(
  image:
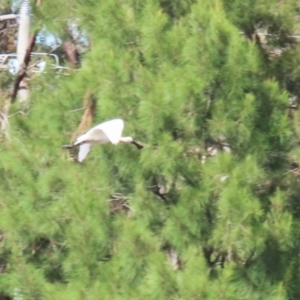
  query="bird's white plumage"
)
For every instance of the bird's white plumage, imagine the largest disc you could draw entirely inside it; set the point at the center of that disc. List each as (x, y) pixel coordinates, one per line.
(109, 131)
(113, 130)
(84, 149)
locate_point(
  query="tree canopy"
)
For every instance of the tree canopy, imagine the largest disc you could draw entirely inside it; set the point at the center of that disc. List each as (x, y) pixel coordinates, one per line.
(209, 208)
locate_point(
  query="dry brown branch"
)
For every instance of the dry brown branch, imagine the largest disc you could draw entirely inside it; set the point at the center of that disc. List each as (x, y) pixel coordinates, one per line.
(71, 53)
(22, 71)
(87, 117)
(119, 202)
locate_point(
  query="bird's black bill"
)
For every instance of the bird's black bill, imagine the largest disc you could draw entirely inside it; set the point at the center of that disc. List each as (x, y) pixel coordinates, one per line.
(67, 147)
(138, 145)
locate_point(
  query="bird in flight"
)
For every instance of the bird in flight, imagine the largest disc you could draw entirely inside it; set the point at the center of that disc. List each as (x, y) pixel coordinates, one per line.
(109, 131)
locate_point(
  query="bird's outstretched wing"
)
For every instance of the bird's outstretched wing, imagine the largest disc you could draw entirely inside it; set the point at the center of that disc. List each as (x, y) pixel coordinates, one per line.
(80, 139)
(113, 130)
(84, 149)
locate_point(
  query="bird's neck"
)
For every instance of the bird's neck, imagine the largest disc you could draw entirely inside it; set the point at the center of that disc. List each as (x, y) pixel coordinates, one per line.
(126, 139)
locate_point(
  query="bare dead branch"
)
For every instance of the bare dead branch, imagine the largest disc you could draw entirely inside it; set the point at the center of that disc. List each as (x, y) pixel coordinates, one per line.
(87, 118)
(22, 72)
(77, 109)
(71, 52)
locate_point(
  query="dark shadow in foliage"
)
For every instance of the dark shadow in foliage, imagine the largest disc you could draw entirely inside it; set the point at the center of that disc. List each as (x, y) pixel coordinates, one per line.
(172, 256)
(276, 155)
(4, 255)
(47, 255)
(277, 160)
(156, 190)
(176, 8)
(214, 258)
(158, 186)
(5, 297)
(294, 205)
(177, 134)
(4, 260)
(293, 195)
(248, 16)
(293, 107)
(275, 261)
(284, 67)
(292, 286)
(264, 190)
(278, 48)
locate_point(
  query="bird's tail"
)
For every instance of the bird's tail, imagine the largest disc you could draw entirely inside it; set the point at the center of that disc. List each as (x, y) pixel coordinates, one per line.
(67, 147)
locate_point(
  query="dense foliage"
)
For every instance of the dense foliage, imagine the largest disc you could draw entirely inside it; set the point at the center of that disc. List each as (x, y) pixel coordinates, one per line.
(209, 209)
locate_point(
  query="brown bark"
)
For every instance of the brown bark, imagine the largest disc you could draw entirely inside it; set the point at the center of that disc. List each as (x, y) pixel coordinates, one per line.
(22, 71)
(71, 53)
(87, 117)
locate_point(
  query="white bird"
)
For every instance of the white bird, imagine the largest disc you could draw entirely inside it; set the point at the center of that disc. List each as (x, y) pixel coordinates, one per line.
(109, 131)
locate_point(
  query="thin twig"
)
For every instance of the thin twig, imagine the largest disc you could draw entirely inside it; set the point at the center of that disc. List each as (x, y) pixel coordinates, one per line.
(78, 109)
(53, 49)
(18, 112)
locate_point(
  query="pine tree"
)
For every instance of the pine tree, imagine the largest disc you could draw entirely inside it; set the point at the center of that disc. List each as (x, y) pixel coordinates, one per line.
(209, 208)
